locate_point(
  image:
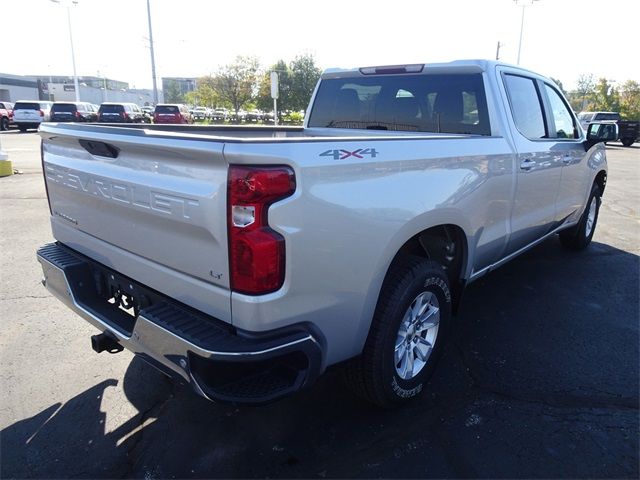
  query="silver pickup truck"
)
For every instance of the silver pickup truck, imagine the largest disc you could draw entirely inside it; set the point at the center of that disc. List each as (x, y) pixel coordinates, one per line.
(247, 260)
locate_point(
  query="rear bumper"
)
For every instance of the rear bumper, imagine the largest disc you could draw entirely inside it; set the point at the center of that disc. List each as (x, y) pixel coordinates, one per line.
(221, 363)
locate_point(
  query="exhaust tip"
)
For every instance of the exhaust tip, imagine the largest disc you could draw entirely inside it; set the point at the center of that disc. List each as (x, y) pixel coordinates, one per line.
(105, 341)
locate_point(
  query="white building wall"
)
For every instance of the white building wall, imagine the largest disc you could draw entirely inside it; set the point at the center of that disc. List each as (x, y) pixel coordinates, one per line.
(98, 95)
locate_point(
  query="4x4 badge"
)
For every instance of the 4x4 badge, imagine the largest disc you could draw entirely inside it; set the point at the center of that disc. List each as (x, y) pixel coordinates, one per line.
(342, 154)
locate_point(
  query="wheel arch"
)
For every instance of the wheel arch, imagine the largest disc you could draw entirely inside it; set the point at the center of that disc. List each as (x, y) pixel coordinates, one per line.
(412, 239)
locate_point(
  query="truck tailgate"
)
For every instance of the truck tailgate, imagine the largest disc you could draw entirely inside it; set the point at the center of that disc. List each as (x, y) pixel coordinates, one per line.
(147, 204)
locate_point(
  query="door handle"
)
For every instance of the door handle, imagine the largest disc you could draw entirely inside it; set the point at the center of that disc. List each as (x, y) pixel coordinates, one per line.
(527, 164)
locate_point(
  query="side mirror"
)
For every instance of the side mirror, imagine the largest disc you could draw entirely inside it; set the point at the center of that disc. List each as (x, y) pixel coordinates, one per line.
(601, 132)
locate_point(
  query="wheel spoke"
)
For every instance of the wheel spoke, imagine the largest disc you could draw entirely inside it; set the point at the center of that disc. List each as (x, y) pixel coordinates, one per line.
(410, 358)
(431, 319)
(420, 354)
(424, 341)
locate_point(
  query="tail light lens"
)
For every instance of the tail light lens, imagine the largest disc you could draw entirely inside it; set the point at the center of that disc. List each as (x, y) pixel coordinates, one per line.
(256, 251)
(41, 113)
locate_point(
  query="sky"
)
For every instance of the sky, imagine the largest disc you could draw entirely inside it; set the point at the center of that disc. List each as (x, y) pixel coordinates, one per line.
(561, 38)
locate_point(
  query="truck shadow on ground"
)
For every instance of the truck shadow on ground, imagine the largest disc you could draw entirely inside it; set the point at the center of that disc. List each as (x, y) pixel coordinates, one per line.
(540, 380)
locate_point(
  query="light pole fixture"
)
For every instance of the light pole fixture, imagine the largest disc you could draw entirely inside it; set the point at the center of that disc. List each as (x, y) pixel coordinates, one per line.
(524, 4)
(153, 58)
(68, 4)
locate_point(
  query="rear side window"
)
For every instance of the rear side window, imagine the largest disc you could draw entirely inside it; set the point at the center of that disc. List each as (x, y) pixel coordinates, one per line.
(63, 107)
(111, 109)
(167, 109)
(26, 106)
(416, 103)
(525, 106)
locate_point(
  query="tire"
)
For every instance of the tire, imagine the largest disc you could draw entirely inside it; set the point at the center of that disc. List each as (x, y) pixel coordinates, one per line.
(377, 374)
(627, 142)
(23, 128)
(4, 123)
(579, 237)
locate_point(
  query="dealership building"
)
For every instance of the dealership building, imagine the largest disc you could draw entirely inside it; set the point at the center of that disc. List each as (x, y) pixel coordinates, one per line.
(62, 88)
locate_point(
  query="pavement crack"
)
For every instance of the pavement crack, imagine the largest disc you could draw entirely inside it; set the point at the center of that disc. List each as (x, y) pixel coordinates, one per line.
(551, 400)
(152, 412)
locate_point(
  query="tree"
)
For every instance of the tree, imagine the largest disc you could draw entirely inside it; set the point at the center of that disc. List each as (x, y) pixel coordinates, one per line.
(630, 100)
(173, 93)
(205, 93)
(304, 76)
(235, 83)
(559, 84)
(586, 85)
(605, 97)
(264, 100)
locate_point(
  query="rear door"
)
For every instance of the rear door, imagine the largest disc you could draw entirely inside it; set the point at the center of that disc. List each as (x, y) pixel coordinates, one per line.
(538, 164)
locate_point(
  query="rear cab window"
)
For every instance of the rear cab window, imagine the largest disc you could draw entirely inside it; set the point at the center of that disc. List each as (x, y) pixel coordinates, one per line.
(111, 109)
(434, 103)
(26, 106)
(64, 107)
(167, 109)
(607, 116)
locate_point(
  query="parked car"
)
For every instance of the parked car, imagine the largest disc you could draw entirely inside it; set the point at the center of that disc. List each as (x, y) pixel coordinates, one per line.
(31, 113)
(6, 115)
(111, 112)
(73, 112)
(247, 261)
(172, 113)
(254, 116)
(628, 130)
(220, 115)
(200, 113)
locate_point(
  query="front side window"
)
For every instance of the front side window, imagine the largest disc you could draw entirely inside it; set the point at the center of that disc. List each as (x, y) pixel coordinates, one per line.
(565, 128)
(525, 106)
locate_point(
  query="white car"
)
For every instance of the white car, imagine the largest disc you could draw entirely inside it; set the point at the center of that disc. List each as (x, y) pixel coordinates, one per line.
(31, 113)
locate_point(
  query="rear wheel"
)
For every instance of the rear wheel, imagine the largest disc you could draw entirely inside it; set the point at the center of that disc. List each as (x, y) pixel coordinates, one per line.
(579, 236)
(627, 142)
(4, 123)
(409, 329)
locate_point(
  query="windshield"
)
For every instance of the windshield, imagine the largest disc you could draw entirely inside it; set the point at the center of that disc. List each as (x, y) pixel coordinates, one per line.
(418, 103)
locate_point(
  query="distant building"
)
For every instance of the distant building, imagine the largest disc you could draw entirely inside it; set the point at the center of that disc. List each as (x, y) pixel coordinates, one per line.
(95, 82)
(175, 88)
(18, 87)
(62, 88)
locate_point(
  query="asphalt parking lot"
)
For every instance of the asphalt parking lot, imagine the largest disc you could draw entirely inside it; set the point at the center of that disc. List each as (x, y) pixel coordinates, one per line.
(541, 379)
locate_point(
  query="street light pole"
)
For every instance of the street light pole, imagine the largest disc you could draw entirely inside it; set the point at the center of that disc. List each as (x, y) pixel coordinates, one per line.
(67, 4)
(524, 5)
(73, 54)
(153, 59)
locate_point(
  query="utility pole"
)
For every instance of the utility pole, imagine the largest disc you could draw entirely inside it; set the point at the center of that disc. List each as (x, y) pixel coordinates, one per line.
(498, 50)
(153, 58)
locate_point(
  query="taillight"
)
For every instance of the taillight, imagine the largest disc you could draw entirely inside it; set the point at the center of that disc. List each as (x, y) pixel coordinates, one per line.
(124, 115)
(77, 114)
(41, 113)
(256, 251)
